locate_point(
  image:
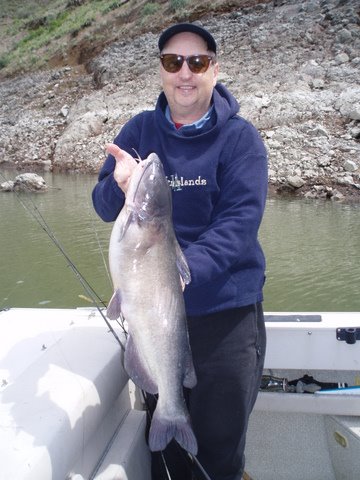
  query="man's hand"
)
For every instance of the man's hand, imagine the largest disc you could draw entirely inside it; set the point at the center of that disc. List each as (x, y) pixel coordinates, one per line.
(124, 167)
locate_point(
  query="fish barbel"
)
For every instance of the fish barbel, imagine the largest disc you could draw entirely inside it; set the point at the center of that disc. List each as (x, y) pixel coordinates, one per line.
(146, 264)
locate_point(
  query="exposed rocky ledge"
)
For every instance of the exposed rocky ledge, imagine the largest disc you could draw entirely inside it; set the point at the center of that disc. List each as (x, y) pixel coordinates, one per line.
(294, 67)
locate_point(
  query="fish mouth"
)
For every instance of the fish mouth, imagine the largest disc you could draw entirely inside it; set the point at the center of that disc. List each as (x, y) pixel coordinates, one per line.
(149, 163)
(140, 203)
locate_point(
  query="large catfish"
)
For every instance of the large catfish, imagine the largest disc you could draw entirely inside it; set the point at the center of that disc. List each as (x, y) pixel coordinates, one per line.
(146, 264)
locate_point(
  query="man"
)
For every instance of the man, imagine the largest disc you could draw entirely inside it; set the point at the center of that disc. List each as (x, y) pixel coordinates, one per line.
(216, 165)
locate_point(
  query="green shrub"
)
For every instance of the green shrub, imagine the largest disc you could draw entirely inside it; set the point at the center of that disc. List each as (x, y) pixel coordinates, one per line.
(178, 4)
(150, 8)
(4, 60)
(112, 6)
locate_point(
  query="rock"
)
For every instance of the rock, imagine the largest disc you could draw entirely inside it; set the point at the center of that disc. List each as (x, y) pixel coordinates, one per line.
(317, 83)
(295, 181)
(78, 133)
(341, 58)
(29, 182)
(345, 180)
(311, 194)
(324, 161)
(223, 77)
(337, 196)
(348, 103)
(344, 36)
(319, 130)
(64, 111)
(350, 166)
(354, 113)
(355, 132)
(7, 186)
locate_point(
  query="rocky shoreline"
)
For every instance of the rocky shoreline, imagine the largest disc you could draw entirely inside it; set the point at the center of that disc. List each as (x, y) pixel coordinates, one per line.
(293, 66)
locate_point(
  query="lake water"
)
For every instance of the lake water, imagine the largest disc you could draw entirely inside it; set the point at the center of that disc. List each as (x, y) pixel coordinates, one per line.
(312, 250)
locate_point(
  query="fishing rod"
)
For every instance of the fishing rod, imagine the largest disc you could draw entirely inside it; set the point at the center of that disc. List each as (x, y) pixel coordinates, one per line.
(39, 218)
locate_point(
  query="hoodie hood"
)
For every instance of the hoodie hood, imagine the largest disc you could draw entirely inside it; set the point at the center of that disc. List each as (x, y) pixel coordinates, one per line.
(226, 106)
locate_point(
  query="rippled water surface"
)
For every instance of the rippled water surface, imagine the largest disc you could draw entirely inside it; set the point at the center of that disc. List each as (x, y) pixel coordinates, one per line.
(313, 255)
(312, 250)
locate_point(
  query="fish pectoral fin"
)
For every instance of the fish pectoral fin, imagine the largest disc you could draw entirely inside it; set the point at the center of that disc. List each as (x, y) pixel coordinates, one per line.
(182, 264)
(137, 369)
(126, 225)
(113, 310)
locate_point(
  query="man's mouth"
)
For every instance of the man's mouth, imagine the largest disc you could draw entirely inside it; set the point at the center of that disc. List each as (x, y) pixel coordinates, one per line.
(186, 87)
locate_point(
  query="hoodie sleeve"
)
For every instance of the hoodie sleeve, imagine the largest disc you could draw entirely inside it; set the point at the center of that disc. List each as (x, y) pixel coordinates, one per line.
(231, 237)
(107, 197)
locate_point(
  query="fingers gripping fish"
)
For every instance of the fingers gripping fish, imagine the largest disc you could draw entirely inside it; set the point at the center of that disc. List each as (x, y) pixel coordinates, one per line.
(145, 261)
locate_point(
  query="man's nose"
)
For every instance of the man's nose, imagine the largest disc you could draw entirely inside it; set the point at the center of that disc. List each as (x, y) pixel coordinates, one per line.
(185, 70)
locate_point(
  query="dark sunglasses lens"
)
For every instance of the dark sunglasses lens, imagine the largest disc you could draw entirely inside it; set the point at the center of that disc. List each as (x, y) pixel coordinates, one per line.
(172, 63)
(199, 63)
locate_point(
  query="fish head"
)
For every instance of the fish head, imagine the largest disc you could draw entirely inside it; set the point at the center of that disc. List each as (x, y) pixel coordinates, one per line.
(148, 196)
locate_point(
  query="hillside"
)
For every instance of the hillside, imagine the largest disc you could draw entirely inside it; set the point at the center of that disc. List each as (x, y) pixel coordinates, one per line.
(72, 72)
(39, 34)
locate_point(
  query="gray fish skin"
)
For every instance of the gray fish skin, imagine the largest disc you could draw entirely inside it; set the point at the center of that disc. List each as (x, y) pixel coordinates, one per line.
(146, 263)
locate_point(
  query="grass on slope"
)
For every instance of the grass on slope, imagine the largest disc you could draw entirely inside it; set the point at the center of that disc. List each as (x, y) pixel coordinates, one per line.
(33, 32)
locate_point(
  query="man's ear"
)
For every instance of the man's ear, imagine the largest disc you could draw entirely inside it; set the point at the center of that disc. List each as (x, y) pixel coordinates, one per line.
(216, 73)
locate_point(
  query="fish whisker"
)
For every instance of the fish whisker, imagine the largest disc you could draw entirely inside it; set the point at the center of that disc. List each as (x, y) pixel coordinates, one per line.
(138, 158)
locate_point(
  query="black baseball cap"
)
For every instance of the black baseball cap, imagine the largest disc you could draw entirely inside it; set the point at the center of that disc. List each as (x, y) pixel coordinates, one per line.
(187, 27)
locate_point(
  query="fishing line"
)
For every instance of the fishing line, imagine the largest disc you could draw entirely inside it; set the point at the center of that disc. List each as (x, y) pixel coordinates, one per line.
(91, 216)
(38, 217)
(101, 250)
(190, 460)
(165, 465)
(120, 321)
(193, 461)
(149, 415)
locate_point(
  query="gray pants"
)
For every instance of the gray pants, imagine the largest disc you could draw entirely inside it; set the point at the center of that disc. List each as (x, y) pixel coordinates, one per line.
(228, 351)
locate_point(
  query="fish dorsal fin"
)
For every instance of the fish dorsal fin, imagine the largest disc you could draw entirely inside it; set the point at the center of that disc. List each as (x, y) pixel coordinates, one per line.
(182, 265)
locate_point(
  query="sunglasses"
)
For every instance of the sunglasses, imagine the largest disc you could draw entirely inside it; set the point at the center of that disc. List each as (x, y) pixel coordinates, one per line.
(172, 62)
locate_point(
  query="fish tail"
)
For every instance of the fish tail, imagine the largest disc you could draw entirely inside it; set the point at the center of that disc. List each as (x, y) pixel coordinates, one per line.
(163, 430)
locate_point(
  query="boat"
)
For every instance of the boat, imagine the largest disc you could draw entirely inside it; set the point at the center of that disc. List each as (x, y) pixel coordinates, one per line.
(316, 436)
(69, 411)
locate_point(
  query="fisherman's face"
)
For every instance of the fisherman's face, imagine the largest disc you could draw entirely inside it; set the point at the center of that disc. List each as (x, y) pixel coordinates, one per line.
(188, 94)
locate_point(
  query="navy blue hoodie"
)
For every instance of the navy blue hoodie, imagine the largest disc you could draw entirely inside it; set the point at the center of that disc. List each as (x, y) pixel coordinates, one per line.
(218, 175)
